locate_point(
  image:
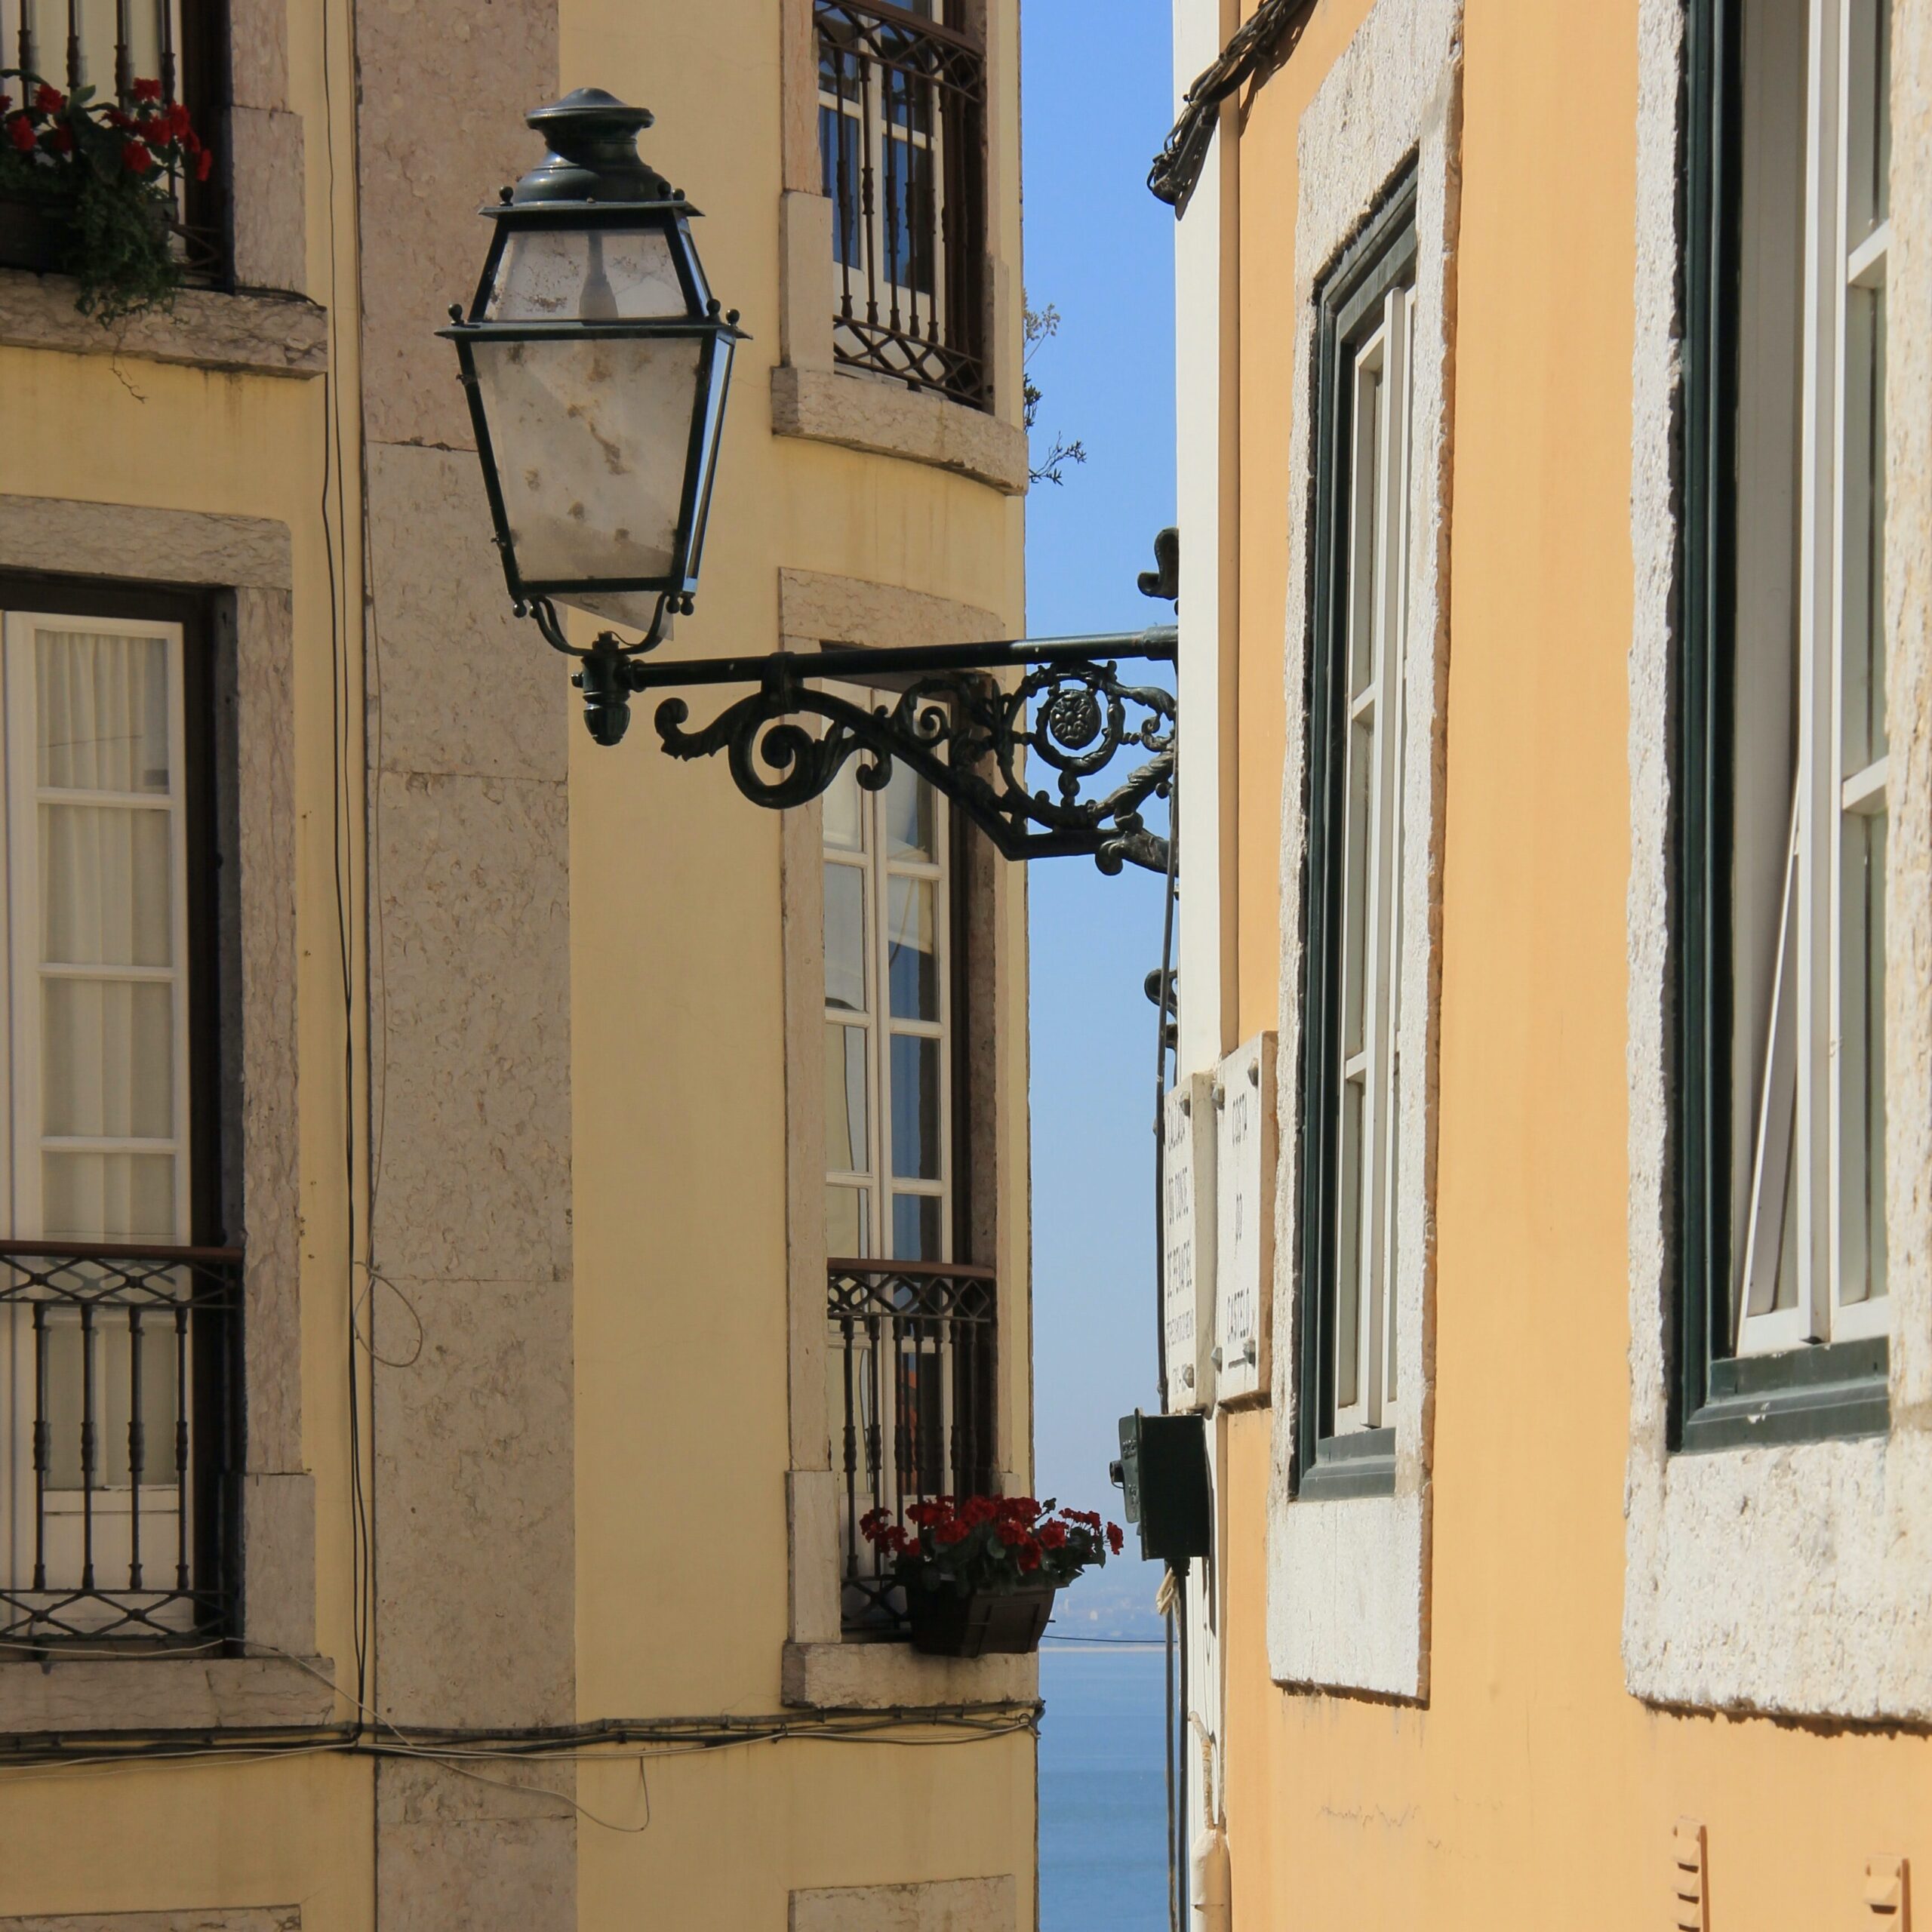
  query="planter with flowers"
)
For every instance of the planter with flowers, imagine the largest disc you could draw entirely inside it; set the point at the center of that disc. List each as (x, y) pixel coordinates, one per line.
(92, 188)
(981, 1573)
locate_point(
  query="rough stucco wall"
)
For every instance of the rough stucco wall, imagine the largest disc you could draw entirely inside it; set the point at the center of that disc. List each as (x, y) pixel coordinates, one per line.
(1795, 1579)
(469, 938)
(1349, 1578)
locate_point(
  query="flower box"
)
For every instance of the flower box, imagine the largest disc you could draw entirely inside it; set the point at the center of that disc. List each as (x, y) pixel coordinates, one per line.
(94, 187)
(979, 1573)
(976, 1623)
(35, 232)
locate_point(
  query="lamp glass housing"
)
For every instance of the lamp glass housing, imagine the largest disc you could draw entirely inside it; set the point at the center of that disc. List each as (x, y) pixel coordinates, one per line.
(597, 366)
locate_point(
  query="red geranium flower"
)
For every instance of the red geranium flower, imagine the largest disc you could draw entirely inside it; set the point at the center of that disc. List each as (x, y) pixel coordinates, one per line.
(1012, 1534)
(20, 129)
(136, 157)
(950, 1532)
(60, 138)
(1029, 1556)
(147, 90)
(1053, 1536)
(1115, 1541)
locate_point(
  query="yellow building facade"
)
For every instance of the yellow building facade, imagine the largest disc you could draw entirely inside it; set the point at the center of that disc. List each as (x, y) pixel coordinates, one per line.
(1555, 510)
(509, 1572)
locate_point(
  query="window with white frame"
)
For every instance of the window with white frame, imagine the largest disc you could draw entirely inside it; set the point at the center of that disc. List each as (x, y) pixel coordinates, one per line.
(888, 1020)
(99, 1381)
(1807, 803)
(1352, 1378)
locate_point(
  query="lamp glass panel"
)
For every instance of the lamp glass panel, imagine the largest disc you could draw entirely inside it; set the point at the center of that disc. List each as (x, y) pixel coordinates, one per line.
(714, 423)
(591, 440)
(586, 274)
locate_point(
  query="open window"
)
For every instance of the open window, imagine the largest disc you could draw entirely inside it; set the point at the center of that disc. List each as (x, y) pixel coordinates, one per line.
(1781, 905)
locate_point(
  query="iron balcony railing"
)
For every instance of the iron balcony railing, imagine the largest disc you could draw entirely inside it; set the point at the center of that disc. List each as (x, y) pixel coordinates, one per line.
(901, 111)
(914, 1369)
(121, 1441)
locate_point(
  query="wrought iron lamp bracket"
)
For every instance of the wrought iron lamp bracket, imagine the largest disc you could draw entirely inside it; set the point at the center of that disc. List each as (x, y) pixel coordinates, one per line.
(1068, 716)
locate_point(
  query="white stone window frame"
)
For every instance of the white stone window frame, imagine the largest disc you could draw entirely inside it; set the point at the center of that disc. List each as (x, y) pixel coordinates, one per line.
(1347, 1576)
(1789, 1579)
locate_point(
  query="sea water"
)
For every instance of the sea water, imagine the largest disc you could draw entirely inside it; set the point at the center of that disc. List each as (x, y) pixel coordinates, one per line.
(1103, 1807)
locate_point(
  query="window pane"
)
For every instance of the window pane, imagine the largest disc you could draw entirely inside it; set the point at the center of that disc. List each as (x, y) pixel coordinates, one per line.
(99, 21)
(103, 706)
(107, 1059)
(845, 938)
(912, 950)
(1365, 496)
(1864, 485)
(915, 1228)
(106, 886)
(1861, 1100)
(909, 816)
(108, 1196)
(1348, 1250)
(847, 1222)
(915, 1107)
(922, 1412)
(844, 814)
(1355, 832)
(115, 1395)
(66, 1398)
(1392, 1236)
(838, 168)
(846, 1136)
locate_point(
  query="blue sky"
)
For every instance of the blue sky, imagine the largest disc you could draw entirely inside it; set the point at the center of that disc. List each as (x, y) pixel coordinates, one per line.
(1097, 95)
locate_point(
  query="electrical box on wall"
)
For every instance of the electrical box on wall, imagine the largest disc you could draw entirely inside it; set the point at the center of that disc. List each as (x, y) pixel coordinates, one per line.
(1187, 1242)
(1162, 1474)
(1243, 1219)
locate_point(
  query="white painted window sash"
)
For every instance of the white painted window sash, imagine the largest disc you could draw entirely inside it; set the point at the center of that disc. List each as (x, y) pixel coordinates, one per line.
(879, 1027)
(1371, 844)
(1819, 1088)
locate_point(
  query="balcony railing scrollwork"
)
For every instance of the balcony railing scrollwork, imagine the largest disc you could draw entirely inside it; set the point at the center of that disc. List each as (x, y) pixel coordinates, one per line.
(122, 1378)
(901, 106)
(913, 1372)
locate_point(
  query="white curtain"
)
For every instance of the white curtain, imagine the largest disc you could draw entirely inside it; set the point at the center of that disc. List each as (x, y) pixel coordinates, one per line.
(108, 1049)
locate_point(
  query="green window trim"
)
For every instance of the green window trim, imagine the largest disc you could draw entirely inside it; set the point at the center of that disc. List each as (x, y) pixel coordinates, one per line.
(1719, 1400)
(1362, 1462)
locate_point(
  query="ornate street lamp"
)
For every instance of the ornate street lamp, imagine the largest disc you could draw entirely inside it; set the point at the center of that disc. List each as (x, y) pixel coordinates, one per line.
(597, 362)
